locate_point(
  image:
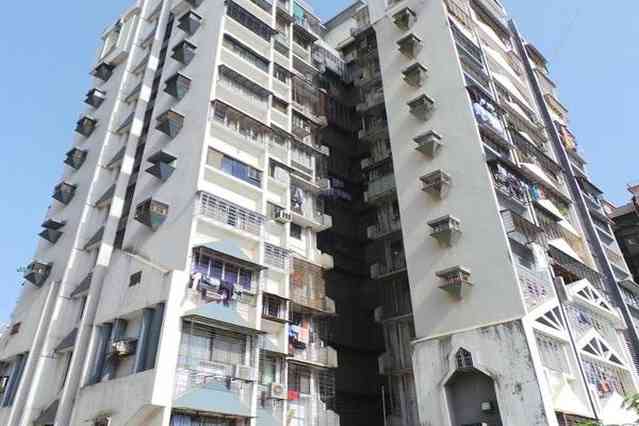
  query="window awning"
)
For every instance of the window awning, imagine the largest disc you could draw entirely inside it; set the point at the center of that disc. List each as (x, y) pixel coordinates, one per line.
(265, 418)
(213, 398)
(83, 287)
(68, 342)
(229, 249)
(217, 315)
(48, 415)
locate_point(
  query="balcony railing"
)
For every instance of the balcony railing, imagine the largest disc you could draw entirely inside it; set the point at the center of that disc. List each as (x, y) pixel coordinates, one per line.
(195, 374)
(275, 256)
(312, 412)
(228, 213)
(383, 269)
(317, 354)
(379, 187)
(381, 229)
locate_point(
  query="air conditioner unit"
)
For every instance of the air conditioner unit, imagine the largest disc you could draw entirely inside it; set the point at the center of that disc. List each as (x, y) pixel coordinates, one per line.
(283, 216)
(244, 372)
(278, 391)
(124, 347)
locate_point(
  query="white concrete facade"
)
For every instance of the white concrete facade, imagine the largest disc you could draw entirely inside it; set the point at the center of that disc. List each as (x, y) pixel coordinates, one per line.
(187, 285)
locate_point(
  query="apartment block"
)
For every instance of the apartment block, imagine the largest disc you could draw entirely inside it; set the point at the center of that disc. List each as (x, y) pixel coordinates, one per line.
(266, 219)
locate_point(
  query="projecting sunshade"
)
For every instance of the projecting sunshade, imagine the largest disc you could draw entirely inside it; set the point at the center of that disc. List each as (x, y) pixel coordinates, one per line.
(212, 398)
(83, 287)
(230, 249)
(68, 342)
(218, 315)
(48, 415)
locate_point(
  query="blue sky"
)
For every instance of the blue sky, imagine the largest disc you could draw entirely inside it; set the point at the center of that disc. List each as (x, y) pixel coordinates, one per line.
(47, 57)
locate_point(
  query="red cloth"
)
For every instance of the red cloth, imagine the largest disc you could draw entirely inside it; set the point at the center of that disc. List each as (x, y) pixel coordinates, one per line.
(293, 395)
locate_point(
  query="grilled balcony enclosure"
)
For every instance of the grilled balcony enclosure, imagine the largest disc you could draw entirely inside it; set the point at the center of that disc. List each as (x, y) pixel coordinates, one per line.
(446, 230)
(184, 52)
(51, 231)
(415, 74)
(86, 125)
(308, 287)
(64, 192)
(170, 123)
(436, 183)
(421, 107)
(177, 85)
(37, 273)
(95, 97)
(75, 158)
(455, 280)
(405, 18)
(428, 143)
(103, 71)
(151, 213)
(521, 229)
(409, 45)
(190, 22)
(163, 165)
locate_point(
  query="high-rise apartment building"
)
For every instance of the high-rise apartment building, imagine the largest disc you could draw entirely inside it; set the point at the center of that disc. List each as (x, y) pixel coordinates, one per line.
(264, 219)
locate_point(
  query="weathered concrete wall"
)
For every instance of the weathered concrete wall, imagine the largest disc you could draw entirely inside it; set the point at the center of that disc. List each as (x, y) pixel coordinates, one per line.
(499, 351)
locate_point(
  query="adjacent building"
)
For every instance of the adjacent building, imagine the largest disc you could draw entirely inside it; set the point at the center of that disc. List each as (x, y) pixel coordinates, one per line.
(381, 219)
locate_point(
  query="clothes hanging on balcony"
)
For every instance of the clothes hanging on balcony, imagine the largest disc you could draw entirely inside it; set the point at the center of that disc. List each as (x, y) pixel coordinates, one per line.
(303, 335)
(227, 290)
(297, 199)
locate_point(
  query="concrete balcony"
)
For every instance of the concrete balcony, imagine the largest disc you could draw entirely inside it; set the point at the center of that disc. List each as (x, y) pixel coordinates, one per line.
(372, 100)
(207, 387)
(367, 77)
(380, 188)
(229, 214)
(313, 412)
(456, 281)
(374, 131)
(315, 354)
(247, 36)
(238, 100)
(374, 232)
(388, 365)
(243, 67)
(556, 107)
(382, 270)
(318, 221)
(261, 9)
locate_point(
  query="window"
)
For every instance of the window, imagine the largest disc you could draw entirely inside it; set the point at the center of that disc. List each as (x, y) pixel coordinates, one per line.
(15, 329)
(241, 124)
(223, 271)
(281, 73)
(245, 53)
(268, 369)
(296, 231)
(273, 307)
(252, 92)
(247, 19)
(234, 167)
(302, 159)
(206, 344)
(135, 279)
(280, 105)
(299, 379)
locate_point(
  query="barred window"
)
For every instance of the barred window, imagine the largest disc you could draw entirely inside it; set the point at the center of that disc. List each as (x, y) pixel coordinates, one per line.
(249, 21)
(245, 53)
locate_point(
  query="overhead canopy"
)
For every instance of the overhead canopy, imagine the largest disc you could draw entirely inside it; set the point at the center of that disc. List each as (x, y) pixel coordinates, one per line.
(217, 315)
(230, 249)
(213, 398)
